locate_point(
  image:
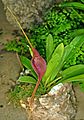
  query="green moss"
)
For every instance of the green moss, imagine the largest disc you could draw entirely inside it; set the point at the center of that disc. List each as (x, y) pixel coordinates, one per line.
(61, 24)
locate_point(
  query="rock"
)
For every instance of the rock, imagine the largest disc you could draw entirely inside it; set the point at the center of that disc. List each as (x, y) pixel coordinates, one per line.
(27, 11)
(59, 106)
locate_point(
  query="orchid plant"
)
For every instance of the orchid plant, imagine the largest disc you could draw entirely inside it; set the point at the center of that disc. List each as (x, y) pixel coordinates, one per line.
(50, 72)
(56, 58)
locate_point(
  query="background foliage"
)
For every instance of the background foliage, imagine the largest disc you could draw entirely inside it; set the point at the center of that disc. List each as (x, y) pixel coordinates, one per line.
(61, 24)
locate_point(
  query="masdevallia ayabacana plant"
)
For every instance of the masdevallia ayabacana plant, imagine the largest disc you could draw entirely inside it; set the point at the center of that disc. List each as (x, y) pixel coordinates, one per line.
(56, 58)
(51, 74)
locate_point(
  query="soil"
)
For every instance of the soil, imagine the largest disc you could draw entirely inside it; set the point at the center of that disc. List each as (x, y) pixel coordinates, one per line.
(9, 72)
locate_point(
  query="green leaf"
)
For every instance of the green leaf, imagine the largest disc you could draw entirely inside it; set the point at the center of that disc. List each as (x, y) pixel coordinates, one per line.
(53, 63)
(77, 32)
(82, 1)
(49, 47)
(73, 71)
(27, 79)
(77, 5)
(27, 63)
(71, 49)
(78, 78)
(60, 57)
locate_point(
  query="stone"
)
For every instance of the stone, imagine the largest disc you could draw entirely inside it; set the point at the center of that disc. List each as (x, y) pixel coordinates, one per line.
(59, 106)
(27, 11)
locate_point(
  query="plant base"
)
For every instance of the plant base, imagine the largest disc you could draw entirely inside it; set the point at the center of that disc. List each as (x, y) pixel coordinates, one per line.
(59, 106)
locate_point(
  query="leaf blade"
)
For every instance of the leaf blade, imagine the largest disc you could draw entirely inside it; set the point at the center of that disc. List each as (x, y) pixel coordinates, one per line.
(77, 5)
(70, 49)
(27, 63)
(79, 78)
(49, 47)
(54, 61)
(73, 71)
(27, 79)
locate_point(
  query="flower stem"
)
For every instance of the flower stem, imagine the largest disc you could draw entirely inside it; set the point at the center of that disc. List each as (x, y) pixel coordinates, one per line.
(20, 27)
(33, 94)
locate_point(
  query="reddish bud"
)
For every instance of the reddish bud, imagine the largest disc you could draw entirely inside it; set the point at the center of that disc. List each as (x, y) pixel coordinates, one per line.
(38, 64)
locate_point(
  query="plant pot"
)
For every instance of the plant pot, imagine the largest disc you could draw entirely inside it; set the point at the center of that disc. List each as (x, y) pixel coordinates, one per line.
(57, 105)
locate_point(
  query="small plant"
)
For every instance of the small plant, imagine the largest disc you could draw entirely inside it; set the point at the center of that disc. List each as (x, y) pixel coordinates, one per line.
(20, 46)
(56, 58)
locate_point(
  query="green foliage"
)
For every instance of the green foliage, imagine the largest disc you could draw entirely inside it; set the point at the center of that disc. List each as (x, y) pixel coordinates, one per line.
(74, 79)
(62, 25)
(55, 73)
(78, 32)
(21, 91)
(77, 5)
(49, 47)
(52, 67)
(64, 56)
(82, 1)
(19, 46)
(70, 49)
(27, 64)
(72, 71)
(27, 79)
(24, 90)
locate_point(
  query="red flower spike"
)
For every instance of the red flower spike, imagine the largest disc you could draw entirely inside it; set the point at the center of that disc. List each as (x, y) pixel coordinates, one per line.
(38, 64)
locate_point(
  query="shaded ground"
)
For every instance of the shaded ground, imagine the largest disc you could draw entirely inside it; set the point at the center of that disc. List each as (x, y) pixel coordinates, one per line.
(80, 103)
(9, 71)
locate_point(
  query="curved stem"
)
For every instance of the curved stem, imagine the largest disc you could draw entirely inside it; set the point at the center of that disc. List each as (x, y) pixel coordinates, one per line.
(20, 27)
(33, 94)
